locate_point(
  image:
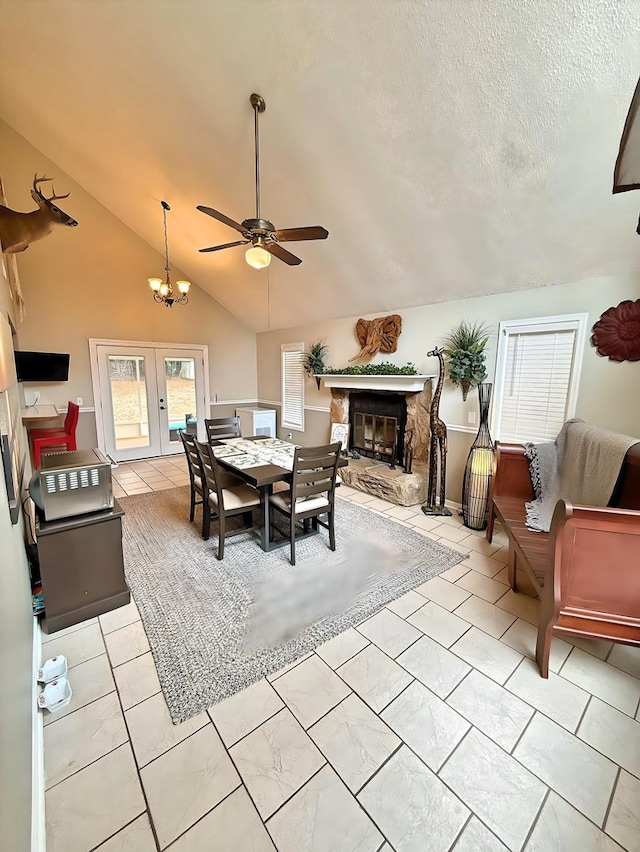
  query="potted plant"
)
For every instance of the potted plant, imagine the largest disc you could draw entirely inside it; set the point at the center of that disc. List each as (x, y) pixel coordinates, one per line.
(465, 355)
(314, 360)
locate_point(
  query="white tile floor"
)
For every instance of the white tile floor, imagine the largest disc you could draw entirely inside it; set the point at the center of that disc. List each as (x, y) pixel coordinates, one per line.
(427, 727)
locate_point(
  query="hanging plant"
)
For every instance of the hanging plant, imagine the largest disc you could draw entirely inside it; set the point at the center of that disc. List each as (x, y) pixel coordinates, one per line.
(465, 355)
(314, 360)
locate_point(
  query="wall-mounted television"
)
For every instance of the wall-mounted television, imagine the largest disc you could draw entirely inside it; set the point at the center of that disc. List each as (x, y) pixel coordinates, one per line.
(42, 366)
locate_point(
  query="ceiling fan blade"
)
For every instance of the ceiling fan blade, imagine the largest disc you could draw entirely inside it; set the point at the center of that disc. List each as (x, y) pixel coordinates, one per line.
(313, 232)
(222, 218)
(282, 254)
(226, 245)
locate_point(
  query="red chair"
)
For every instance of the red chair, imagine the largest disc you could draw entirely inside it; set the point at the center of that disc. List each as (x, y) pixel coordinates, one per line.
(64, 438)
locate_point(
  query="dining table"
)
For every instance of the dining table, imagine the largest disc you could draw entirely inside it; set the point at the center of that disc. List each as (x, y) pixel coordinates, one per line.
(262, 462)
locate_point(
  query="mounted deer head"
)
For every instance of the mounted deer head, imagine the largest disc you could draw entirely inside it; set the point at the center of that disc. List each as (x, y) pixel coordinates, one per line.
(19, 230)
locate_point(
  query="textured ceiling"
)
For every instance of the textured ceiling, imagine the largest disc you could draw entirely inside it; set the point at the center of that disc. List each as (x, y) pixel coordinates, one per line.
(452, 148)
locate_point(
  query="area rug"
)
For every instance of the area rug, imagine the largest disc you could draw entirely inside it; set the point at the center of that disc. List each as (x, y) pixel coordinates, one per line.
(215, 627)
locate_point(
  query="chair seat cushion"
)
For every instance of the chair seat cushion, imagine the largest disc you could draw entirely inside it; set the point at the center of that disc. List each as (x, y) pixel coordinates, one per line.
(283, 501)
(239, 497)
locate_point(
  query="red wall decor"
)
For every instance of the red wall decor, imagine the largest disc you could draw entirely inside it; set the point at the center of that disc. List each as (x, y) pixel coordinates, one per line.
(616, 335)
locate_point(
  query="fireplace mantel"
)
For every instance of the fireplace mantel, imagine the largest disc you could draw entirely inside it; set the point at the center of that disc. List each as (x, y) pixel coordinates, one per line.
(401, 383)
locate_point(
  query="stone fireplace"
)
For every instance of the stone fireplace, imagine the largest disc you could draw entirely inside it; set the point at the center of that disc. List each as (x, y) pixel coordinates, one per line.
(407, 398)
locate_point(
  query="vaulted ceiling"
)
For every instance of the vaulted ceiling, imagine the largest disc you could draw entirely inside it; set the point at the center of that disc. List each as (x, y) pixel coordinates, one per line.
(452, 148)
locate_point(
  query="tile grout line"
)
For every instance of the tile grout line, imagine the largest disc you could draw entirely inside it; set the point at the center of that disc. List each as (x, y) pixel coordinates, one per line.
(536, 817)
(130, 744)
(611, 798)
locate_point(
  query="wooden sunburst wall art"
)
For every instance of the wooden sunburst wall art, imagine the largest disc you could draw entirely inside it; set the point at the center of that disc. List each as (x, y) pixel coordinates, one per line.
(616, 335)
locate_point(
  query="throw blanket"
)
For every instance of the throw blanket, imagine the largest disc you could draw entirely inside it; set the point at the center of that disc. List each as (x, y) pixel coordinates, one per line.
(582, 466)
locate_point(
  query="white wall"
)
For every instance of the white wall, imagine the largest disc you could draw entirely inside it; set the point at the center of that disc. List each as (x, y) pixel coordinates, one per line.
(16, 665)
(91, 281)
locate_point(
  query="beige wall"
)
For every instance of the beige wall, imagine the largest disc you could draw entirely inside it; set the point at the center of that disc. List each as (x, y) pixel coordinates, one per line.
(607, 396)
(16, 664)
(91, 281)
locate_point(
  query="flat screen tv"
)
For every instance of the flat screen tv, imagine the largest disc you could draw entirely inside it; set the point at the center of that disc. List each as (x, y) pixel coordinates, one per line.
(42, 366)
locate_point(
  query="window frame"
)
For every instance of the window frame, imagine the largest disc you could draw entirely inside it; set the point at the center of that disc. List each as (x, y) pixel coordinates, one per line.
(577, 322)
(284, 421)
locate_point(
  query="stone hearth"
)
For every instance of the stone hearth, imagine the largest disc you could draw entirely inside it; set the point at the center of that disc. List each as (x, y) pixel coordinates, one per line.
(405, 489)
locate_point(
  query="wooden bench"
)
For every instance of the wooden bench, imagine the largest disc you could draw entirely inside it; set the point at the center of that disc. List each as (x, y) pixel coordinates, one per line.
(586, 569)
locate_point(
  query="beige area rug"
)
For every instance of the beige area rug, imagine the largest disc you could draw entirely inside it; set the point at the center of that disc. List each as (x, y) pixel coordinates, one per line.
(217, 627)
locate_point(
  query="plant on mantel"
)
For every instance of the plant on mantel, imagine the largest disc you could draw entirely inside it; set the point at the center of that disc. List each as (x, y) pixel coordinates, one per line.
(464, 351)
(382, 369)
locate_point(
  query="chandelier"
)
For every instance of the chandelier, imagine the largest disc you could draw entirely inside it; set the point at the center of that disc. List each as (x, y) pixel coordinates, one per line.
(162, 290)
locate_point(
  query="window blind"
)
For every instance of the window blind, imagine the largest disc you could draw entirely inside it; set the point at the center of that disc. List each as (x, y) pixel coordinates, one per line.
(537, 382)
(292, 385)
(537, 376)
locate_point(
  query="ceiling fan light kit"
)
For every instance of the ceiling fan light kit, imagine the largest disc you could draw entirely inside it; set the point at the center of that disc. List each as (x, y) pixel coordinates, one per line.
(265, 239)
(257, 256)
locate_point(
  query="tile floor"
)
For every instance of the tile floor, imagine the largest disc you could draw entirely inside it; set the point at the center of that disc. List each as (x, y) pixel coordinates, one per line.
(427, 727)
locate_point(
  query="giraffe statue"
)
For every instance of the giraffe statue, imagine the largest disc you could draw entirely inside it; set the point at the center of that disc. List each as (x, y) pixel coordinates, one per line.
(437, 447)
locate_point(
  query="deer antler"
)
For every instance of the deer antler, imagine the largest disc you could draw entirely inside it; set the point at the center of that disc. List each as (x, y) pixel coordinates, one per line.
(36, 181)
(53, 197)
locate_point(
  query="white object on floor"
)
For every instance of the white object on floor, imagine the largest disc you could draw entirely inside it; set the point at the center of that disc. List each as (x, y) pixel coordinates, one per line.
(52, 669)
(55, 695)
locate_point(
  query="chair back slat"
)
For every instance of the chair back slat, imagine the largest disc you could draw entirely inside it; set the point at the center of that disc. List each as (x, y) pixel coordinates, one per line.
(193, 458)
(314, 471)
(210, 469)
(220, 428)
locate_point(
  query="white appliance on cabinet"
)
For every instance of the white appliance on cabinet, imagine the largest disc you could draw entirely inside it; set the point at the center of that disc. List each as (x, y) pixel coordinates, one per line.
(257, 421)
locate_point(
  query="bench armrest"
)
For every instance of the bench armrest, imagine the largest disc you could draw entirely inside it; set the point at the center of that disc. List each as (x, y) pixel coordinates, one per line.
(511, 477)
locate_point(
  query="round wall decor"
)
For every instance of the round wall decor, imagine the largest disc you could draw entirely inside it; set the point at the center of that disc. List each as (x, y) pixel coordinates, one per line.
(616, 335)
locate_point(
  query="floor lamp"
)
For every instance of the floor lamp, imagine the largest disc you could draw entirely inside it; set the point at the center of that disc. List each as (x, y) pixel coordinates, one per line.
(478, 471)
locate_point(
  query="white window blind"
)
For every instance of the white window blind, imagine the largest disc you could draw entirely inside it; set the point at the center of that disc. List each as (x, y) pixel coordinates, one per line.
(292, 355)
(537, 377)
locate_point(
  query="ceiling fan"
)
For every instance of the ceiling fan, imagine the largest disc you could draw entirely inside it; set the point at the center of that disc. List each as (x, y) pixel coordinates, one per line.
(265, 239)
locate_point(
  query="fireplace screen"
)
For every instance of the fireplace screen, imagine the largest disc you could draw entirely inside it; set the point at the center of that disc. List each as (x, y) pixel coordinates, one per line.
(375, 434)
(378, 423)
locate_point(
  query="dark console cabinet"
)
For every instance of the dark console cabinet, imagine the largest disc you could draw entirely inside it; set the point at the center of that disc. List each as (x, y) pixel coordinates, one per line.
(81, 567)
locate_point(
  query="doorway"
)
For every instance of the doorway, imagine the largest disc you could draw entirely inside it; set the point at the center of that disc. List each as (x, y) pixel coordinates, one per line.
(143, 393)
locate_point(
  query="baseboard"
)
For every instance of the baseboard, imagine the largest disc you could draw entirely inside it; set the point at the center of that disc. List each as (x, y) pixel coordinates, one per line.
(38, 822)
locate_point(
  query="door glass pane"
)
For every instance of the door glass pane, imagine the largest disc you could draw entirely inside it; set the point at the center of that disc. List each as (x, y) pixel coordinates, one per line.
(180, 375)
(129, 397)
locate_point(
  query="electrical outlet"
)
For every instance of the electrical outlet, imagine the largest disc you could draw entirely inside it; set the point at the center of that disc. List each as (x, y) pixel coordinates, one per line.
(79, 400)
(471, 418)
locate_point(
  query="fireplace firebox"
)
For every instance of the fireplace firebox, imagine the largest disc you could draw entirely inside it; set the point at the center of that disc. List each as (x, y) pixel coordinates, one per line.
(378, 422)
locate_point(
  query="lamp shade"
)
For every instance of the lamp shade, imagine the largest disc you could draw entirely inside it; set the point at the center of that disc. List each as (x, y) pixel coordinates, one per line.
(478, 471)
(257, 257)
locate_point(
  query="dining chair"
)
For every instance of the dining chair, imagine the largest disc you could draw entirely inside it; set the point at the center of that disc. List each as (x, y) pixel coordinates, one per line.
(197, 481)
(222, 427)
(226, 496)
(58, 438)
(312, 492)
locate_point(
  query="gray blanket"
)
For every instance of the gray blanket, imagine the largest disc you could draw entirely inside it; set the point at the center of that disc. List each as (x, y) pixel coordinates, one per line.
(581, 466)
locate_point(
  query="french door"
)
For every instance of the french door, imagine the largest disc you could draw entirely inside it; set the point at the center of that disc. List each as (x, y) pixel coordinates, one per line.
(144, 394)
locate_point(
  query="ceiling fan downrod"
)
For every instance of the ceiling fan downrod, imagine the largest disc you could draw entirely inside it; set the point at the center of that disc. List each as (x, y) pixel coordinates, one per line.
(258, 104)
